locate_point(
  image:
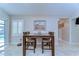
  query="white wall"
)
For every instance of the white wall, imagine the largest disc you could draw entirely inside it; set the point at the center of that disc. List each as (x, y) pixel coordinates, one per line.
(4, 16)
(74, 29)
(74, 32)
(29, 23)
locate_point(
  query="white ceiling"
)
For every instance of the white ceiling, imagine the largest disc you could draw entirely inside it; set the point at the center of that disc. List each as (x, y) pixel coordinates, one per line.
(54, 9)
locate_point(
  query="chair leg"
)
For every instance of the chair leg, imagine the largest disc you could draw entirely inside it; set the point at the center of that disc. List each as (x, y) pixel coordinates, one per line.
(49, 45)
(42, 48)
(34, 50)
(34, 47)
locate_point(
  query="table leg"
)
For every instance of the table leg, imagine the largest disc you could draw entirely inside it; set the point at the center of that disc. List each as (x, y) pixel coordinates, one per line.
(24, 46)
(53, 48)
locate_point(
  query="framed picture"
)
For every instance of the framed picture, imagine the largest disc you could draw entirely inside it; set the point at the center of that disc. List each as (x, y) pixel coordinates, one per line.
(40, 25)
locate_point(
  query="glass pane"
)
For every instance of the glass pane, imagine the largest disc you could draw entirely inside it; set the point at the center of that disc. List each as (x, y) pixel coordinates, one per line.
(1, 22)
(19, 27)
(14, 28)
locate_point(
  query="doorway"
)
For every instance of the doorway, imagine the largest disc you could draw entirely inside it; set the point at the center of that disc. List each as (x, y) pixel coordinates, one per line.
(63, 30)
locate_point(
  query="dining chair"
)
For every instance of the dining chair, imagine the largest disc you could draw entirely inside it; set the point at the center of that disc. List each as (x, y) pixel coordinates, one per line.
(46, 42)
(30, 42)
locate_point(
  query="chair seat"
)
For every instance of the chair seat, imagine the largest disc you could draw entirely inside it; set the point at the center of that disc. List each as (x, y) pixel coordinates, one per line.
(30, 40)
(46, 40)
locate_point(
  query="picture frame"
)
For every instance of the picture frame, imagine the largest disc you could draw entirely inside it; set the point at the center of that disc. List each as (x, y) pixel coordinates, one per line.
(40, 25)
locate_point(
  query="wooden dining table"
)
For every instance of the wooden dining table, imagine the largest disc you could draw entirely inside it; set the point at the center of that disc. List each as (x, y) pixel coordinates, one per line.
(38, 36)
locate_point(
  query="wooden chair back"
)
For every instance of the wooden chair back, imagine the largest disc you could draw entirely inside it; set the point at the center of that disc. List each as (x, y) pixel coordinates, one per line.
(26, 33)
(51, 33)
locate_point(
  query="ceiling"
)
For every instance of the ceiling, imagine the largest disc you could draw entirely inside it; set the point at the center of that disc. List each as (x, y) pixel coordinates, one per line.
(55, 9)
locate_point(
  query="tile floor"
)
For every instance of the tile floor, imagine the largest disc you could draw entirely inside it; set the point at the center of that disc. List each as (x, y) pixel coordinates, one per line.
(60, 50)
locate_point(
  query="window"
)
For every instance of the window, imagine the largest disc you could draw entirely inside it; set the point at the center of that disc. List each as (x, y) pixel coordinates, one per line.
(1, 30)
(16, 27)
(1, 37)
(17, 31)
